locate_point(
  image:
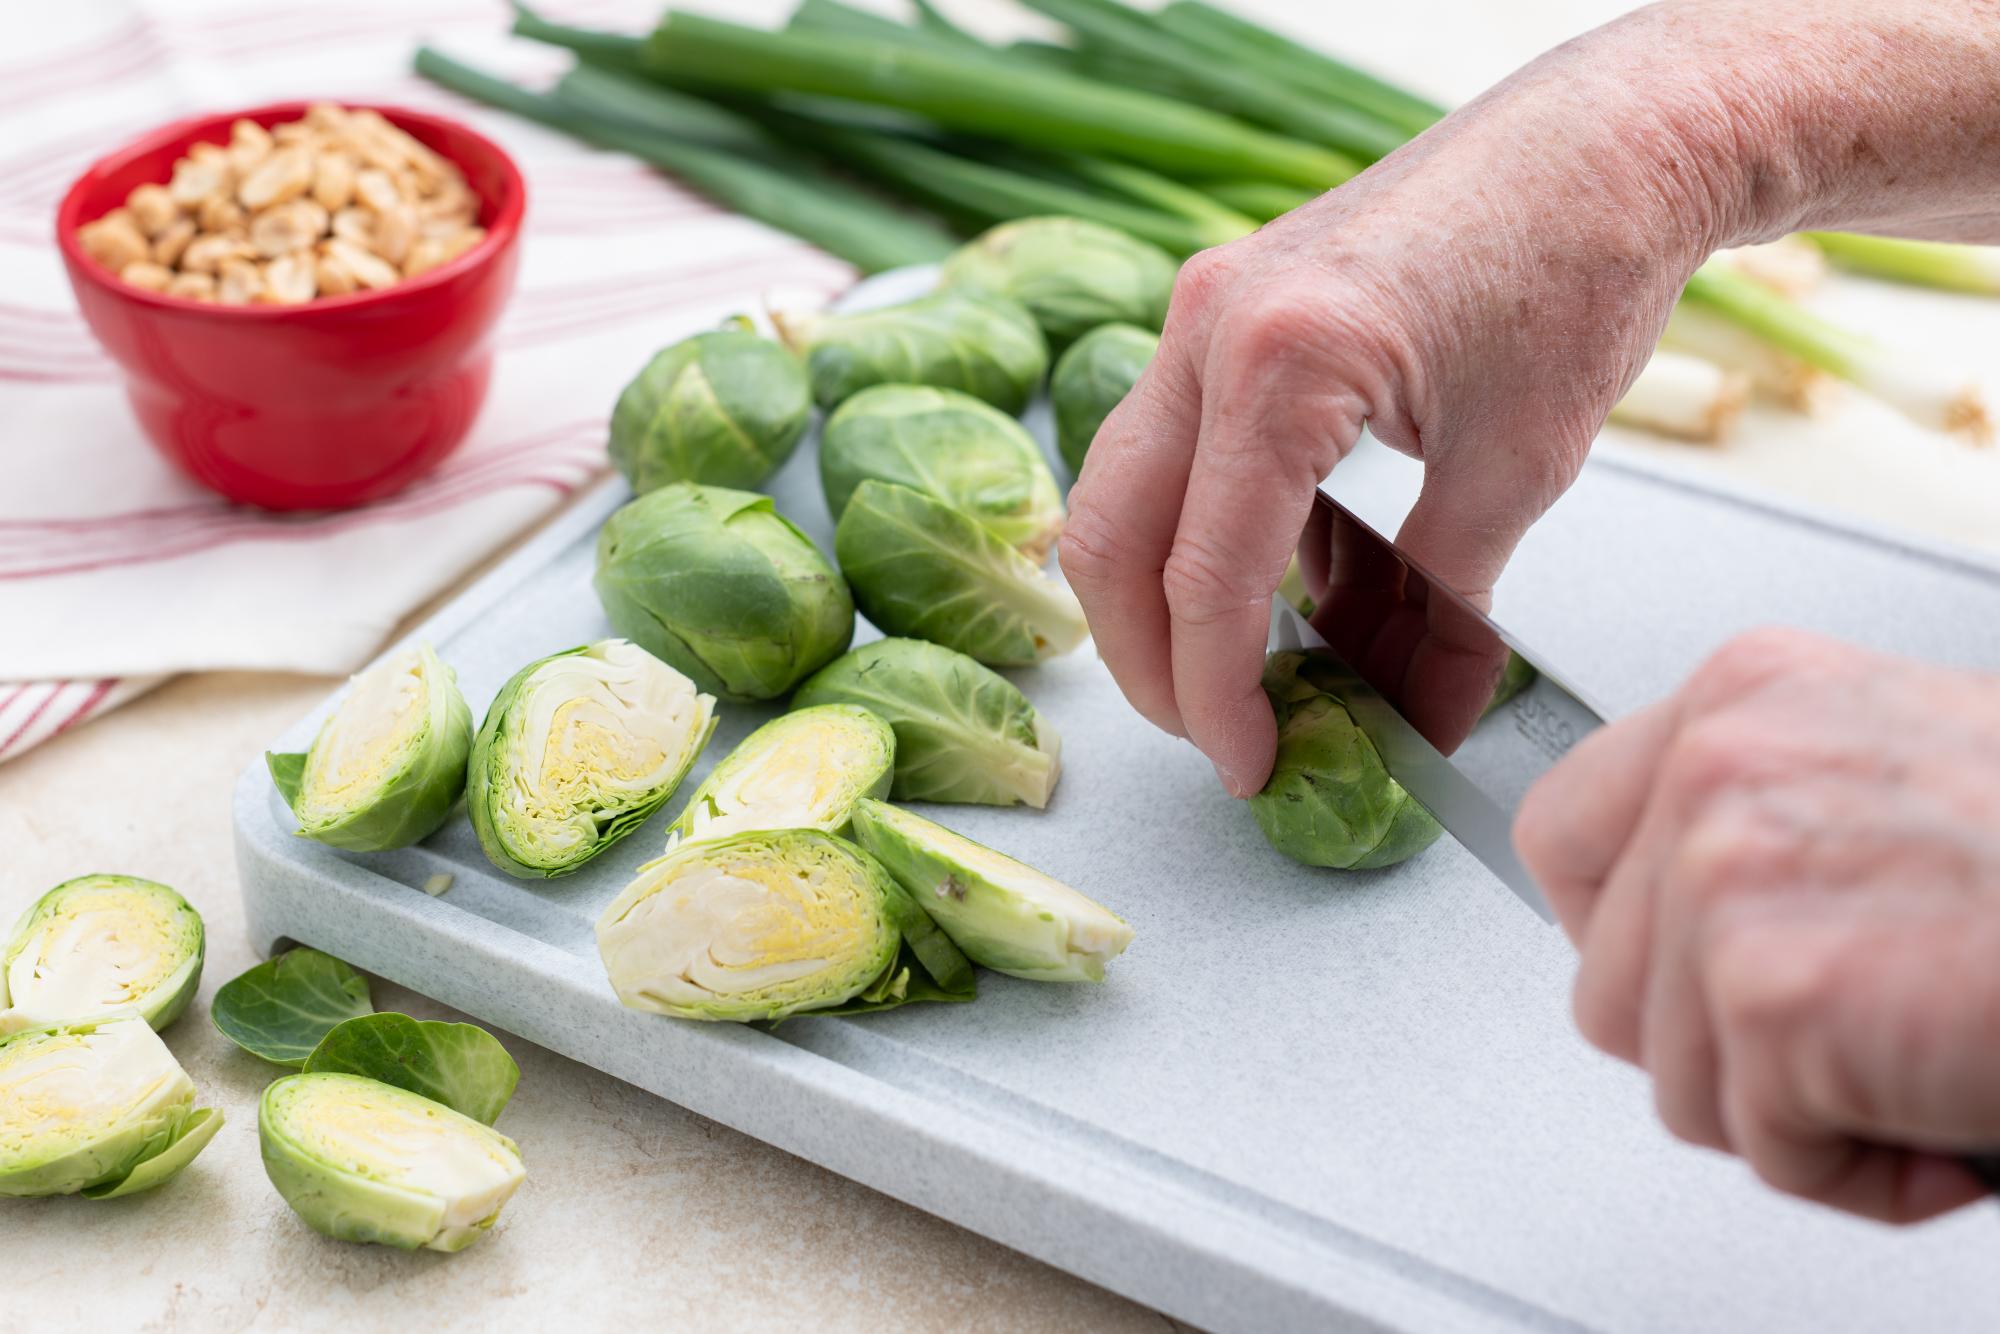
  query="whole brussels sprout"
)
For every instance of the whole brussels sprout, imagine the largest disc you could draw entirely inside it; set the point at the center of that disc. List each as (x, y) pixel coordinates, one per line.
(725, 408)
(1092, 378)
(1071, 274)
(97, 944)
(964, 733)
(960, 338)
(950, 446)
(927, 571)
(388, 764)
(802, 770)
(1330, 801)
(722, 586)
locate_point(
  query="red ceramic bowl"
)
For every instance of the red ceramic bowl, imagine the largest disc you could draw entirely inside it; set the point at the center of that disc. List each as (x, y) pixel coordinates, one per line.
(333, 403)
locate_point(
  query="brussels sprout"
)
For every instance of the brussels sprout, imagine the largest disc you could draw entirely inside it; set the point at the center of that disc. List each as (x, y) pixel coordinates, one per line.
(1092, 378)
(951, 447)
(577, 751)
(965, 339)
(767, 924)
(722, 586)
(389, 764)
(1002, 913)
(98, 944)
(923, 569)
(963, 732)
(360, 1160)
(1330, 801)
(99, 1107)
(460, 1065)
(724, 407)
(1071, 274)
(803, 770)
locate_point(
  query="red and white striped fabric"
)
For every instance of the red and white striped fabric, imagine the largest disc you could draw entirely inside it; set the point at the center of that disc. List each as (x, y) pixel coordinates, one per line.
(115, 572)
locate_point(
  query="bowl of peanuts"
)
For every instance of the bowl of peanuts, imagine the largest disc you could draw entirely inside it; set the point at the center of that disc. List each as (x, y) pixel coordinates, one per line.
(301, 297)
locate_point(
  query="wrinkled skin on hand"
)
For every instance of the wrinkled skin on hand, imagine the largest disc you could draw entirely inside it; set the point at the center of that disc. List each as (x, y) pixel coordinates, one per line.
(1785, 883)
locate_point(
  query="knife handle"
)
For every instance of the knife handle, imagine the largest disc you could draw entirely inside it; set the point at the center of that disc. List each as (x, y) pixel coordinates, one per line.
(1985, 1166)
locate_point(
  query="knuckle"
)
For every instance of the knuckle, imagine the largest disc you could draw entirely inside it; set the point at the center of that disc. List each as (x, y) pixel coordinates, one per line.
(1090, 549)
(1202, 585)
(1710, 756)
(1735, 850)
(1754, 660)
(1766, 985)
(1202, 278)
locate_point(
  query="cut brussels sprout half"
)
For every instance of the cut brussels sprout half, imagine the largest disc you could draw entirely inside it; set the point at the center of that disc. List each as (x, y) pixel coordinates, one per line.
(389, 764)
(99, 944)
(1091, 379)
(960, 338)
(577, 751)
(964, 733)
(1001, 912)
(724, 408)
(1330, 800)
(953, 448)
(722, 586)
(1072, 274)
(100, 1107)
(359, 1160)
(804, 770)
(924, 570)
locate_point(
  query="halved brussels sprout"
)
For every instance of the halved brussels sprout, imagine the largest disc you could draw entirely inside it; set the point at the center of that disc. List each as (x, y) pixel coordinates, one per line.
(1002, 913)
(724, 407)
(961, 338)
(924, 570)
(99, 944)
(577, 751)
(951, 447)
(722, 586)
(388, 764)
(100, 1107)
(804, 770)
(1071, 274)
(360, 1160)
(1330, 801)
(963, 732)
(1092, 378)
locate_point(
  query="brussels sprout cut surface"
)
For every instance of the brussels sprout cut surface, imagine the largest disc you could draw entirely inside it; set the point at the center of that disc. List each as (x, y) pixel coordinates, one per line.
(1092, 378)
(804, 770)
(722, 586)
(953, 448)
(98, 944)
(1071, 274)
(359, 1160)
(1330, 801)
(725, 408)
(1002, 913)
(975, 341)
(577, 751)
(99, 1107)
(389, 764)
(963, 732)
(924, 570)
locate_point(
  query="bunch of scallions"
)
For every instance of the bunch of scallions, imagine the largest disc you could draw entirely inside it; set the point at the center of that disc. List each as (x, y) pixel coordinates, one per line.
(886, 142)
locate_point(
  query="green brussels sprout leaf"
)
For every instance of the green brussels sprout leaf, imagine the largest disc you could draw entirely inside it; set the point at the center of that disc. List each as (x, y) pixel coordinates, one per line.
(460, 1065)
(99, 944)
(1072, 274)
(283, 1008)
(725, 408)
(802, 770)
(164, 1166)
(962, 338)
(1091, 379)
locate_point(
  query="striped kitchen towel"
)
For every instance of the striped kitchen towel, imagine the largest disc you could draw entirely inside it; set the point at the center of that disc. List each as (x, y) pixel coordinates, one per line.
(116, 572)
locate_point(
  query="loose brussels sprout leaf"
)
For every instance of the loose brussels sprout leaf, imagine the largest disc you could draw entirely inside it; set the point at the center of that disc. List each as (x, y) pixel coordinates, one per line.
(722, 586)
(804, 770)
(1092, 378)
(961, 338)
(1071, 274)
(577, 751)
(953, 448)
(963, 732)
(1002, 913)
(87, 1106)
(165, 1165)
(754, 926)
(725, 408)
(281, 1009)
(924, 570)
(389, 764)
(1330, 801)
(360, 1160)
(97, 944)
(460, 1065)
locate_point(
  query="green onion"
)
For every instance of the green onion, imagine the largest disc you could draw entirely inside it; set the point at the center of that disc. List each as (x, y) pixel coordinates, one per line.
(831, 16)
(1218, 221)
(1705, 333)
(1263, 200)
(1681, 395)
(607, 48)
(603, 94)
(931, 19)
(1956, 268)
